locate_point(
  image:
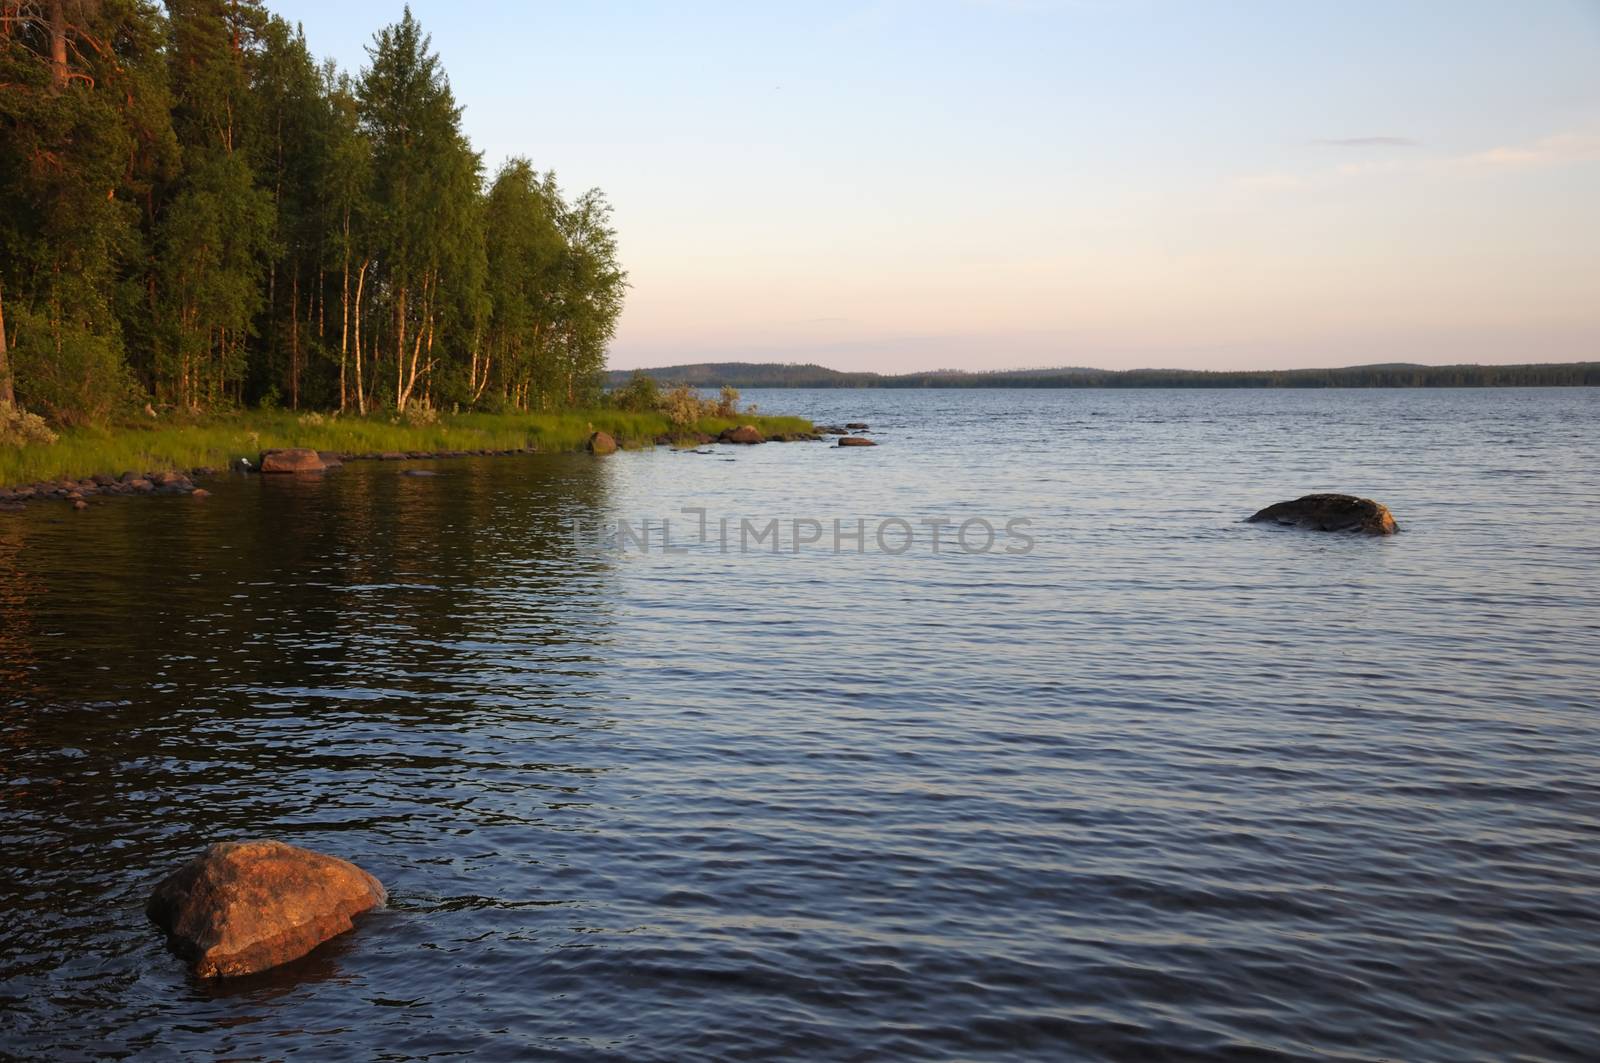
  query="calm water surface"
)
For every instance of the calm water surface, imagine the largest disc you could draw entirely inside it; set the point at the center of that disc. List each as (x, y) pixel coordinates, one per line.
(1168, 786)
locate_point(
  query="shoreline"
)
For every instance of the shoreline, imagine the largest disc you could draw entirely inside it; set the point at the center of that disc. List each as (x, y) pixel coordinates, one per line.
(183, 481)
(108, 462)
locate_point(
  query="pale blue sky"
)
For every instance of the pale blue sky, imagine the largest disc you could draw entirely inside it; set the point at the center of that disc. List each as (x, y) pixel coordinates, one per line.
(903, 185)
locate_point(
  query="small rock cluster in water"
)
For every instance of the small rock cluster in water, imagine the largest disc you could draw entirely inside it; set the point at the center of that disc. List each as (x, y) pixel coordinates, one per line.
(129, 483)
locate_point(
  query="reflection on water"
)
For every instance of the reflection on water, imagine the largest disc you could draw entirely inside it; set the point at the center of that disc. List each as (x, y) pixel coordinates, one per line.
(1169, 786)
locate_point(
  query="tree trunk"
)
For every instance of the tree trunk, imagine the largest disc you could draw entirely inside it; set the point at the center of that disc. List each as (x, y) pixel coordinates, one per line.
(58, 44)
(361, 282)
(344, 318)
(294, 342)
(8, 396)
(400, 349)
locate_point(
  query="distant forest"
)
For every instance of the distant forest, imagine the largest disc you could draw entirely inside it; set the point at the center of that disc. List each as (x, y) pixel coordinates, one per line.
(196, 213)
(757, 375)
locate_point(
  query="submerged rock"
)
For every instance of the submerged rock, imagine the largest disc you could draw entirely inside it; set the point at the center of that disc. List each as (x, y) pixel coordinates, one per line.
(1331, 513)
(745, 434)
(601, 443)
(855, 441)
(242, 907)
(857, 426)
(291, 460)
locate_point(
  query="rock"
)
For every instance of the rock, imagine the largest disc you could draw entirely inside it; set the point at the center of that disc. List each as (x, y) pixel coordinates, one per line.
(832, 430)
(291, 460)
(78, 503)
(1331, 513)
(200, 492)
(391, 455)
(141, 485)
(662, 440)
(855, 441)
(128, 477)
(172, 483)
(202, 471)
(858, 426)
(242, 907)
(330, 460)
(74, 496)
(745, 434)
(601, 443)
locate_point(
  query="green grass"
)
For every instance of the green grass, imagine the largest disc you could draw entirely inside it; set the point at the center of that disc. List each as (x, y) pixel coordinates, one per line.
(215, 441)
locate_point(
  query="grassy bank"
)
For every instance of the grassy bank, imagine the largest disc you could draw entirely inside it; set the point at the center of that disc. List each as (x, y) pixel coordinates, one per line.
(215, 441)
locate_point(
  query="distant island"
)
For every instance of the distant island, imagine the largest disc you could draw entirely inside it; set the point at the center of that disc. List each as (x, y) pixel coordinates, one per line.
(1388, 375)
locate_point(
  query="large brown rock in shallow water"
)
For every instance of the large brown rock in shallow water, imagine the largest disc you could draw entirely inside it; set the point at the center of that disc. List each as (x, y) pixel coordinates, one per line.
(242, 907)
(293, 459)
(1332, 513)
(601, 443)
(745, 434)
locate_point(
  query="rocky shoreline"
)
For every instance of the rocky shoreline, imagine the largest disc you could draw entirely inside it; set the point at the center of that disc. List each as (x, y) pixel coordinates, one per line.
(76, 493)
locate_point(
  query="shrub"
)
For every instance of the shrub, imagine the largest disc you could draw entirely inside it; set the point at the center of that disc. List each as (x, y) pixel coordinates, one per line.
(419, 416)
(728, 401)
(639, 395)
(71, 373)
(683, 405)
(18, 428)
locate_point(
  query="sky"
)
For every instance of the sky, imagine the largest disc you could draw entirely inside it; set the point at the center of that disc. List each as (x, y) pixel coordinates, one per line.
(900, 185)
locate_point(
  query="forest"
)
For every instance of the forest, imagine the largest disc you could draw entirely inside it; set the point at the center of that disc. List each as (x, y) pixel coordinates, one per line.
(1393, 375)
(196, 215)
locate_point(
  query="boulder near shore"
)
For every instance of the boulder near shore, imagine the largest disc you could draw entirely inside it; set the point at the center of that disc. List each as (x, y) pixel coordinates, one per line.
(744, 434)
(292, 459)
(856, 441)
(242, 907)
(601, 443)
(1333, 513)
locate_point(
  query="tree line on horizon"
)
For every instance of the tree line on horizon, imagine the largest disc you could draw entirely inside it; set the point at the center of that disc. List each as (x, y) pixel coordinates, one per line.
(196, 213)
(795, 375)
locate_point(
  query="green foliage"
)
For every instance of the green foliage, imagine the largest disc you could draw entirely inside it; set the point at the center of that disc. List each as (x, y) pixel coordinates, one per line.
(210, 440)
(193, 198)
(71, 372)
(640, 394)
(683, 405)
(19, 428)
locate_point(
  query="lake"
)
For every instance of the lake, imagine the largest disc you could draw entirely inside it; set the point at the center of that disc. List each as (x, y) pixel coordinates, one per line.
(1141, 781)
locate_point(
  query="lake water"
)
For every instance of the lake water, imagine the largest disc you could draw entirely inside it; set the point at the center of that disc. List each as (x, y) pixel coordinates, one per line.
(1166, 785)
